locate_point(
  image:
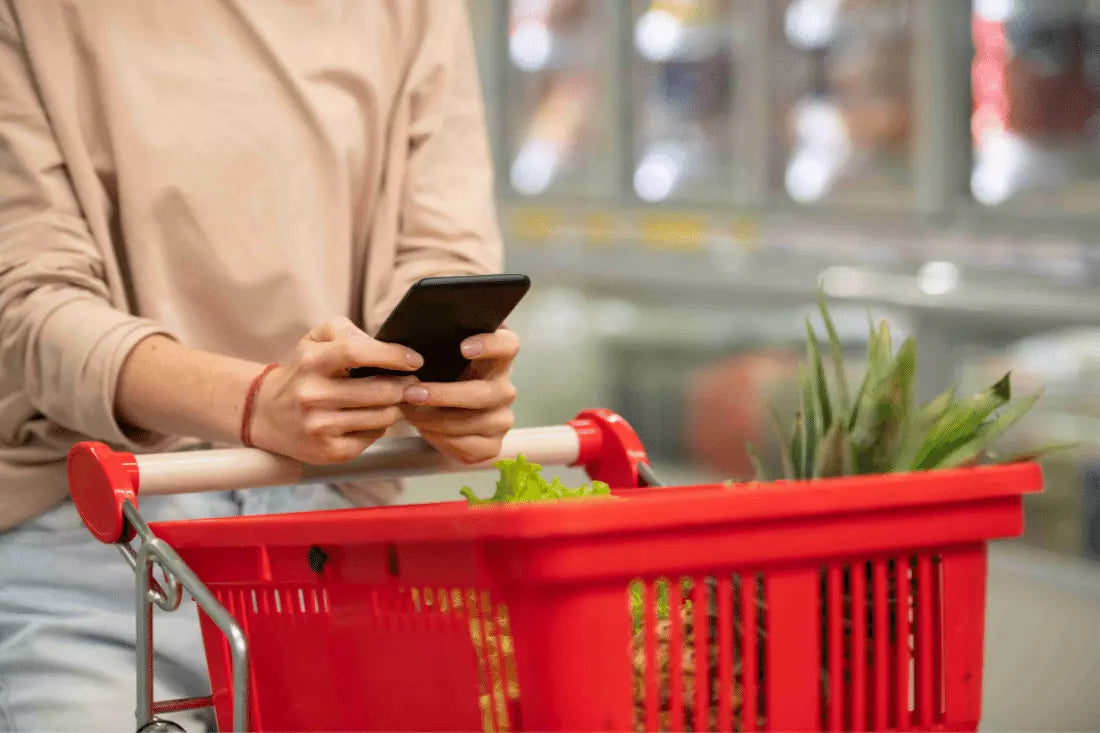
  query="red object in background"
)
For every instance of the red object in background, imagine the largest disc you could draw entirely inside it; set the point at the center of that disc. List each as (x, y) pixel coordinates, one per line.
(727, 407)
(987, 79)
(1012, 92)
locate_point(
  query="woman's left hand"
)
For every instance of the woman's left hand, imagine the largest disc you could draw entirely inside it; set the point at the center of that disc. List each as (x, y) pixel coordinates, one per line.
(467, 420)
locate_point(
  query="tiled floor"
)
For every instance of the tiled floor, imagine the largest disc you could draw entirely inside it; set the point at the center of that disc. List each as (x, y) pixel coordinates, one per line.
(1042, 642)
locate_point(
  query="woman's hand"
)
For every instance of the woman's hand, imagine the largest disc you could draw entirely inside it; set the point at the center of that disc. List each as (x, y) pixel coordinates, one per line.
(310, 410)
(467, 420)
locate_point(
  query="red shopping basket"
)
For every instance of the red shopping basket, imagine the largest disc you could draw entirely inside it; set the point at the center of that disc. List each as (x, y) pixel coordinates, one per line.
(850, 604)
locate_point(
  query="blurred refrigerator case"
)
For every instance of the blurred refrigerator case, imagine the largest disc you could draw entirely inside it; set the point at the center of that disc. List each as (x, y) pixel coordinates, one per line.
(844, 107)
(557, 109)
(1035, 121)
(689, 129)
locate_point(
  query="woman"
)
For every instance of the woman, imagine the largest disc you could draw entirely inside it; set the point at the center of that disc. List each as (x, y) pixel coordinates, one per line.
(191, 190)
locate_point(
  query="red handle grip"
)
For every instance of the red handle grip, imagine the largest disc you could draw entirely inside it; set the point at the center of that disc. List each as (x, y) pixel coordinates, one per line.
(610, 450)
(100, 481)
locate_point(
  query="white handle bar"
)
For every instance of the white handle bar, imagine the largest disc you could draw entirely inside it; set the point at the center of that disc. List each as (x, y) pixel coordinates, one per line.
(244, 468)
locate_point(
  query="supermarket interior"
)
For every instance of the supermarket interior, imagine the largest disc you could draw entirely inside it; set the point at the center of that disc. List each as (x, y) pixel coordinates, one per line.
(680, 177)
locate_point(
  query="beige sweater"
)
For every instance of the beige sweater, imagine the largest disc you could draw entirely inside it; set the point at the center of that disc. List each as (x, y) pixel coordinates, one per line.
(230, 172)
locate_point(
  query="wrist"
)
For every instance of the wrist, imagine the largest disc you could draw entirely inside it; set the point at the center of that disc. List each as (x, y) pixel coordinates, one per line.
(253, 412)
(170, 389)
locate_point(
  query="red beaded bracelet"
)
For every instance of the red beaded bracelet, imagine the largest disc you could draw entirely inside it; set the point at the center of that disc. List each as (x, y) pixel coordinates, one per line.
(250, 405)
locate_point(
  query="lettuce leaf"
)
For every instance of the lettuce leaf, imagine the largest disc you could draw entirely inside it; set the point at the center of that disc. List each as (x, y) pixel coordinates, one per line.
(522, 481)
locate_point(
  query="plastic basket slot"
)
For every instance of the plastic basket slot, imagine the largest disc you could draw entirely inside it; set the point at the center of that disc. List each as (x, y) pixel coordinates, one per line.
(698, 653)
(480, 638)
(674, 650)
(490, 635)
(700, 602)
(881, 666)
(879, 638)
(931, 612)
(903, 643)
(752, 623)
(289, 602)
(496, 673)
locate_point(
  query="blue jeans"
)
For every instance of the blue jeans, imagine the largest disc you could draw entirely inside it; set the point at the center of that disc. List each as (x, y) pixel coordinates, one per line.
(67, 617)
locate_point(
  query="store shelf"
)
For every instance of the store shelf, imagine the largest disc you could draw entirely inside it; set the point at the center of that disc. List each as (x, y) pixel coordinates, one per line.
(1008, 287)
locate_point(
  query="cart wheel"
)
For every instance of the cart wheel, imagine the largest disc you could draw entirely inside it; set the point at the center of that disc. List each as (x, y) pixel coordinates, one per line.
(161, 726)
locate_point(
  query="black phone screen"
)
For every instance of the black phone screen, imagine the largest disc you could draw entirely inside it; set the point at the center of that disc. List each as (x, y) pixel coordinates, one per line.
(437, 314)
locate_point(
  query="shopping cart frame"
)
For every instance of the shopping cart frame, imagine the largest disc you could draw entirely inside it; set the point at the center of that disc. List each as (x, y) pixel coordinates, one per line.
(105, 483)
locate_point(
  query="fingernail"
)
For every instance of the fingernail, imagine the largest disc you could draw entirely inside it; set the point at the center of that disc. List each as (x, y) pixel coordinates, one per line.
(414, 359)
(416, 395)
(472, 348)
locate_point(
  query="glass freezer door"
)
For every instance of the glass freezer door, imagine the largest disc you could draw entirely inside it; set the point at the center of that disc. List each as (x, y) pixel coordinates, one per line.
(1035, 78)
(558, 110)
(689, 134)
(843, 88)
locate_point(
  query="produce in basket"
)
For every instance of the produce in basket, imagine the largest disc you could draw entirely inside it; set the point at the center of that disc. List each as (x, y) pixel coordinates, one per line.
(881, 429)
(520, 480)
(878, 430)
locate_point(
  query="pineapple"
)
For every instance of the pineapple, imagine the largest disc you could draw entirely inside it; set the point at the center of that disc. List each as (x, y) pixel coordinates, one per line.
(880, 429)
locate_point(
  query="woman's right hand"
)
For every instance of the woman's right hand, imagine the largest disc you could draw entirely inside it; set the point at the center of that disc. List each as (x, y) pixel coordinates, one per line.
(310, 410)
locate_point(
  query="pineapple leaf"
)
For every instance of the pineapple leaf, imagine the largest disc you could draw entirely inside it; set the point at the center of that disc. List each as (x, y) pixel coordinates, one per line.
(798, 443)
(1040, 451)
(882, 349)
(974, 449)
(918, 428)
(834, 457)
(836, 352)
(784, 445)
(853, 418)
(884, 416)
(960, 422)
(935, 409)
(879, 351)
(759, 473)
(811, 423)
(817, 377)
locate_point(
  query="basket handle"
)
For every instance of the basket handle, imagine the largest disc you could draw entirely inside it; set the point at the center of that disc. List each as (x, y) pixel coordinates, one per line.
(101, 480)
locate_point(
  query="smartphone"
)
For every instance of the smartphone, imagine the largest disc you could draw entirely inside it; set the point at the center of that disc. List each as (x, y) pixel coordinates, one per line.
(438, 313)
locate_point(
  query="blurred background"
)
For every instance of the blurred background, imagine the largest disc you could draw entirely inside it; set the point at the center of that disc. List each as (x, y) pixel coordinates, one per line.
(678, 176)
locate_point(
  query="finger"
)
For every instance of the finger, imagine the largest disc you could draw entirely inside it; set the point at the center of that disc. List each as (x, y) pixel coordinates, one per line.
(455, 423)
(503, 344)
(469, 449)
(344, 394)
(347, 447)
(335, 358)
(479, 394)
(349, 422)
(334, 329)
(491, 354)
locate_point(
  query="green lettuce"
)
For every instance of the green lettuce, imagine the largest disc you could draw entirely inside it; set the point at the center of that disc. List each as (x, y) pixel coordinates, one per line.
(521, 481)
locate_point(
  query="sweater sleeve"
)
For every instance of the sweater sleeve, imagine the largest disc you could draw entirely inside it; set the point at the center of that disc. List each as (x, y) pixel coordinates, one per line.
(62, 343)
(447, 211)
